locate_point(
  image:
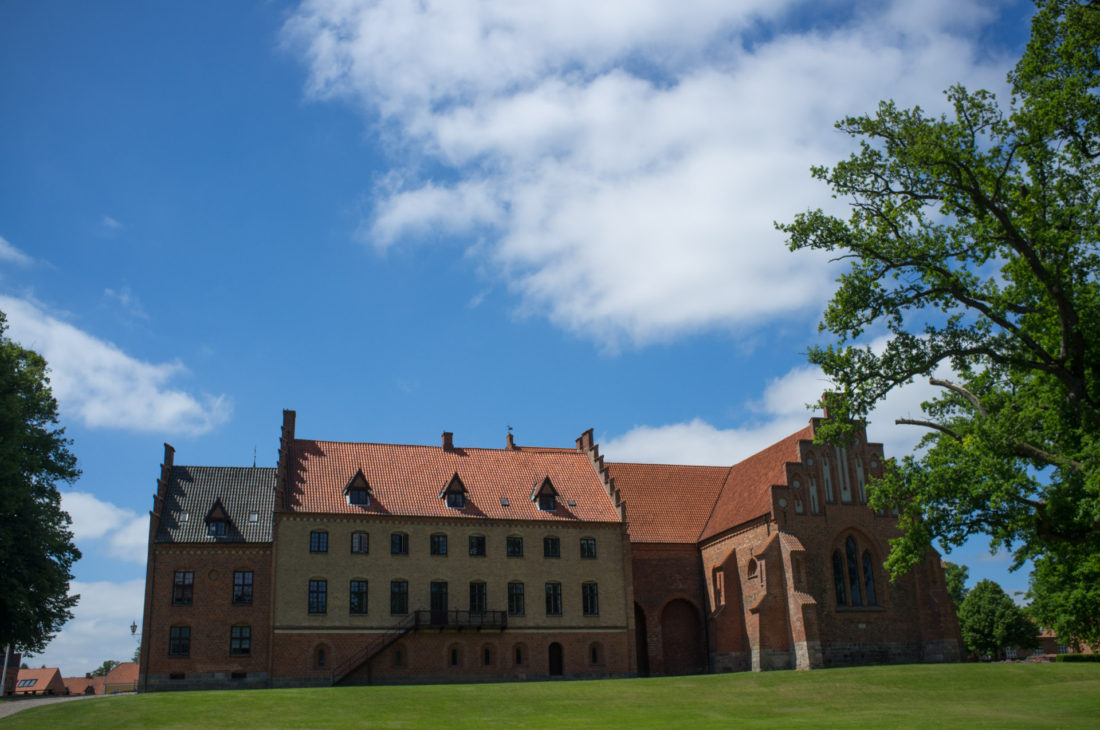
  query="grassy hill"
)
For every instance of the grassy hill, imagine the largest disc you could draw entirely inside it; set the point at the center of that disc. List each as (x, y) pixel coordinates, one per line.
(970, 695)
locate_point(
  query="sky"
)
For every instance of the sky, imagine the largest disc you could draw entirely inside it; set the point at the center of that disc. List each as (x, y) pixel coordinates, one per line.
(403, 218)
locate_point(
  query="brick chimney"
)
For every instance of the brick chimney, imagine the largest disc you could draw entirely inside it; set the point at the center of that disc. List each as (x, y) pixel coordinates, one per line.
(448, 441)
(510, 445)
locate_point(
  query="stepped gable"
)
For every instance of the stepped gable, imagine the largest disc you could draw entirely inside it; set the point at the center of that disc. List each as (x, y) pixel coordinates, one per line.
(746, 493)
(668, 503)
(407, 480)
(193, 490)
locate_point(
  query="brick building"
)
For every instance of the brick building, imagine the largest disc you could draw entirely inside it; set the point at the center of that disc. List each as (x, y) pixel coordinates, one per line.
(359, 563)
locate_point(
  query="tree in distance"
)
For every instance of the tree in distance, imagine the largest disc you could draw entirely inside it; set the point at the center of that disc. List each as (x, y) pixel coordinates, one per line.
(991, 621)
(36, 545)
(972, 248)
(105, 668)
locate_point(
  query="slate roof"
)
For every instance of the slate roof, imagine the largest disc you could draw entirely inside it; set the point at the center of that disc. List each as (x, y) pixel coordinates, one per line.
(667, 502)
(192, 491)
(406, 480)
(688, 504)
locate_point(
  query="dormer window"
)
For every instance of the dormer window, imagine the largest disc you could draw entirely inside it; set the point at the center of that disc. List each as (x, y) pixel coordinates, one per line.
(217, 520)
(454, 494)
(545, 495)
(358, 490)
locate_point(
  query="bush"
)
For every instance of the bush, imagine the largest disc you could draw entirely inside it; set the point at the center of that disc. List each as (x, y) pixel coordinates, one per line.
(1077, 658)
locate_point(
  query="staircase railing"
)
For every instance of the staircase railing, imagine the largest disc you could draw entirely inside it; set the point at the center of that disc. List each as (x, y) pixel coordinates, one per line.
(379, 643)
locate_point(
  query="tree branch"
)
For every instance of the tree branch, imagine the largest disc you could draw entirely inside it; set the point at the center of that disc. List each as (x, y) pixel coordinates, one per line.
(928, 424)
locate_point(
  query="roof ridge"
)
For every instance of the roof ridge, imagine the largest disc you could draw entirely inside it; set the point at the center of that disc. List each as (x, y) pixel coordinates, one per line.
(714, 505)
(519, 449)
(661, 463)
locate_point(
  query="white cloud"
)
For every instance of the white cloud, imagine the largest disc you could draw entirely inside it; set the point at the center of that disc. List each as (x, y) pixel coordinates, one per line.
(104, 387)
(126, 532)
(11, 254)
(128, 301)
(623, 162)
(109, 226)
(100, 629)
(778, 413)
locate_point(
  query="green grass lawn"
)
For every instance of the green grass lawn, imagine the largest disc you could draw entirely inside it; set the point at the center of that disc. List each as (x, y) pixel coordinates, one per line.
(970, 695)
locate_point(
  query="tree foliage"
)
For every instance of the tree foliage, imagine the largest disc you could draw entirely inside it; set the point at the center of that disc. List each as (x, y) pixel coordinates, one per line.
(36, 547)
(990, 621)
(105, 668)
(955, 576)
(973, 246)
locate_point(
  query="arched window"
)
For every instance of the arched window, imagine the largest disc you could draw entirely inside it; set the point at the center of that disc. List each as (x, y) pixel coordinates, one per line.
(838, 579)
(869, 578)
(319, 657)
(853, 571)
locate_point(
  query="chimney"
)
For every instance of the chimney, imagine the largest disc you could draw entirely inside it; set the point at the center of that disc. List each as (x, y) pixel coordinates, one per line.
(169, 455)
(87, 675)
(448, 441)
(511, 443)
(289, 417)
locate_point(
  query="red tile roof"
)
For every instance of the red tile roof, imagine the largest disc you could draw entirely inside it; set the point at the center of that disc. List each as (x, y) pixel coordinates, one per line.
(407, 480)
(747, 491)
(79, 685)
(124, 673)
(49, 677)
(687, 504)
(666, 502)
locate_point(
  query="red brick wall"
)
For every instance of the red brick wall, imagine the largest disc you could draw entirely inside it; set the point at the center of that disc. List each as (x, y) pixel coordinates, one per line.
(663, 573)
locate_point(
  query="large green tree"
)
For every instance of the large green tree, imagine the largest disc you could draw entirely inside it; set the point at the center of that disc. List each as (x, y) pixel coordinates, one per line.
(955, 577)
(972, 248)
(991, 621)
(36, 545)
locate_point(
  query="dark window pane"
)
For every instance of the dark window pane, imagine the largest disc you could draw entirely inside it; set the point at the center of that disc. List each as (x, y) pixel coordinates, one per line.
(853, 571)
(551, 547)
(838, 579)
(869, 579)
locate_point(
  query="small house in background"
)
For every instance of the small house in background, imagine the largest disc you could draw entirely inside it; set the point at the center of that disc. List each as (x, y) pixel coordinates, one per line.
(122, 678)
(45, 681)
(86, 685)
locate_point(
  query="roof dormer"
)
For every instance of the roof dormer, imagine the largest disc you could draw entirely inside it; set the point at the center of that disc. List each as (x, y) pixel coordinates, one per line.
(454, 493)
(545, 495)
(217, 520)
(358, 490)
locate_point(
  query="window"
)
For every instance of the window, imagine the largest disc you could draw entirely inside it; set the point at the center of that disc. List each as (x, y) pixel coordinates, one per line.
(551, 547)
(548, 502)
(545, 496)
(518, 654)
(242, 587)
(853, 572)
(515, 547)
(594, 654)
(590, 599)
(1063, 649)
(456, 500)
(1010, 652)
(813, 497)
(179, 641)
(588, 547)
(860, 482)
(478, 598)
(217, 528)
(454, 494)
(318, 542)
(438, 544)
(399, 597)
(515, 599)
(486, 655)
(319, 657)
(318, 596)
(399, 544)
(357, 597)
(838, 579)
(358, 496)
(826, 474)
(27, 682)
(240, 641)
(477, 546)
(360, 543)
(854, 576)
(869, 579)
(553, 599)
(454, 656)
(183, 587)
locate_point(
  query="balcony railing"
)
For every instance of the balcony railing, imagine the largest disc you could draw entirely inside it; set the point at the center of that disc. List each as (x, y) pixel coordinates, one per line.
(454, 619)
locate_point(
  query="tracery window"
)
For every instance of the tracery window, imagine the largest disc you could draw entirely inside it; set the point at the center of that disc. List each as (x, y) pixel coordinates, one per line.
(854, 576)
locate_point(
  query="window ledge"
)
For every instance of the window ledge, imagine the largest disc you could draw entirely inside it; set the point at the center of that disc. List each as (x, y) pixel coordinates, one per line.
(859, 609)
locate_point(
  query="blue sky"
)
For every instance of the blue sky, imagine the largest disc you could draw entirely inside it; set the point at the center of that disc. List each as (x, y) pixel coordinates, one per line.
(404, 218)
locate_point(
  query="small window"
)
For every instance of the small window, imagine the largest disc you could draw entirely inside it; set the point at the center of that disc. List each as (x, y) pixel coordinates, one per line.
(548, 502)
(319, 657)
(514, 547)
(318, 596)
(357, 596)
(217, 528)
(456, 500)
(454, 656)
(183, 588)
(253, 516)
(240, 641)
(478, 598)
(553, 599)
(360, 543)
(590, 599)
(318, 542)
(515, 599)
(518, 655)
(238, 675)
(477, 546)
(179, 641)
(358, 496)
(242, 587)
(486, 656)
(27, 682)
(588, 547)
(438, 543)
(399, 597)
(399, 543)
(551, 547)
(399, 657)
(594, 654)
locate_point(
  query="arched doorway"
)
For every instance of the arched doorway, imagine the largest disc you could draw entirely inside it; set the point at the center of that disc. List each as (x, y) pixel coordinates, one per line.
(556, 660)
(641, 641)
(682, 639)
